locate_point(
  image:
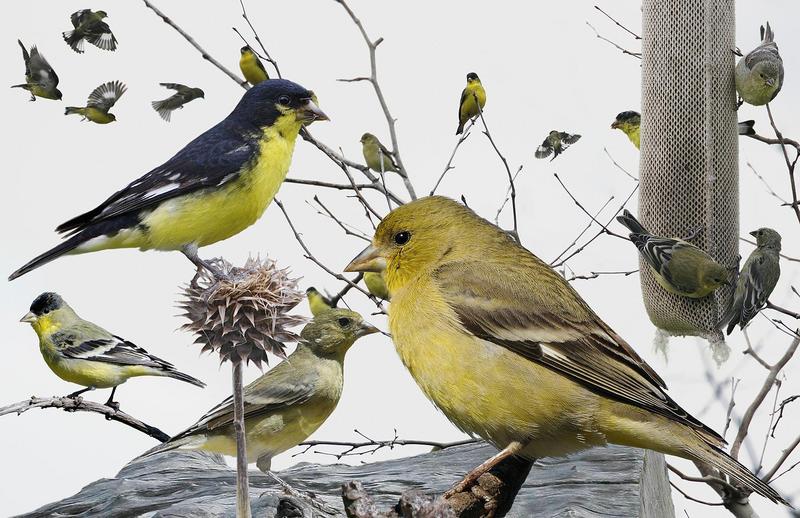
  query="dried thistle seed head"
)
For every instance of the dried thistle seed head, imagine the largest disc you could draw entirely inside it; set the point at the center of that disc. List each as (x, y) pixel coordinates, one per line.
(244, 315)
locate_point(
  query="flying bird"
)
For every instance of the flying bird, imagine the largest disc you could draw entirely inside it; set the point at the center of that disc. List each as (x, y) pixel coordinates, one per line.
(89, 25)
(759, 74)
(183, 94)
(555, 144)
(84, 353)
(102, 99)
(40, 78)
(467, 106)
(215, 187)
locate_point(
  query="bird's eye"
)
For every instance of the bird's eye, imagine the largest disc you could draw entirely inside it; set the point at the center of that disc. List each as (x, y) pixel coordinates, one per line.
(344, 322)
(402, 237)
(284, 99)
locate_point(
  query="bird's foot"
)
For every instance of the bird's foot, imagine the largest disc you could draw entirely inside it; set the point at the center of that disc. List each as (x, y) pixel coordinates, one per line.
(190, 251)
(472, 477)
(693, 233)
(77, 393)
(737, 52)
(112, 404)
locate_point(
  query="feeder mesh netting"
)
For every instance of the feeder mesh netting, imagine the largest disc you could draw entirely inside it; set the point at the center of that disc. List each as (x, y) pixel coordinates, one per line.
(689, 148)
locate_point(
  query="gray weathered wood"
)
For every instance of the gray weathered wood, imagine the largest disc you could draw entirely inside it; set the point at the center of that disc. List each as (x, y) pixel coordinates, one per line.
(602, 482)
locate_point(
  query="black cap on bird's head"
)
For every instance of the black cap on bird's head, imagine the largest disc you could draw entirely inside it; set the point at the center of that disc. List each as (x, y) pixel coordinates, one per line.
(43, 304)
(626, 117)
(246, 48)
(265, 102)
(472, 76)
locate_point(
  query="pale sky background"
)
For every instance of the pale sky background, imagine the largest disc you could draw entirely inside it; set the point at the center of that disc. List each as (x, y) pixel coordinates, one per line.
(542, 67)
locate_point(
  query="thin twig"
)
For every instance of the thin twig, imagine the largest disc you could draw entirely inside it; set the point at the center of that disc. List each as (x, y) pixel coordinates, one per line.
(619, 166)
(513, 189)
(790, 164)
(258, 39)
(637, 55)
(77, 403)
(785, 311)
(449, 165)
(693, 499)
(582, 232)
(370, 446)
(342, 187)
(732, 403)
(508, 197)
(636, 36)
(595, 275)
(767, 185)
(583, 209)
(788, 258)
(347, 230)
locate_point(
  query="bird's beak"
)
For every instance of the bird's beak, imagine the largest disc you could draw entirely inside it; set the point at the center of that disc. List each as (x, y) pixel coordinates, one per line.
(753, 233)
(367, 329)
(310, 112)
(29, 318)
(614, 125)
(369, 260)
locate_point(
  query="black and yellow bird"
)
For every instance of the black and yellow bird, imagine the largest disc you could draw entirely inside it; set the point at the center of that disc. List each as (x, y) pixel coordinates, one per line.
(40, 78)
(183, 94)
(212, 189)
(89, 25)
(473, 99)
(251, 66)
(317, 302)
(555, 144)
(102, 99)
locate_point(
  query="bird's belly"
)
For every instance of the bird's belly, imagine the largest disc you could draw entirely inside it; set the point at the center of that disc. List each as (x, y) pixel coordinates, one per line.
(489, 391)
(97, 116)
(210, 216)
(86, 373)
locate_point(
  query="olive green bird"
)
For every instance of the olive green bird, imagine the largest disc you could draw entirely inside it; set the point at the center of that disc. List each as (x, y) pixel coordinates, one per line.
(376, 155)
(102, 99)
(759, 74)
(40, 78)
(89, 26)
(756, 281)
(183, 94)
(555, 143)
(678, 266)
(251, 66)
(288, 403)
(376, 285)
(473, 99)
(317, 302)
(84, 353)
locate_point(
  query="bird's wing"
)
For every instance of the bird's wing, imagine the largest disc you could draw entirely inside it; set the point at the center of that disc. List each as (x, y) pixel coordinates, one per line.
(26, 58)
(568, 139)
(464, 94)
(259, 64)
(78, 17)
(41, 71)
(113, 350)
(544, 149)
(755, 295)
(106, 95)
(657, 251)
(388, 154)
(211, 160)
(515, 309)
(175, 86)
(765, 51)
(101, 36)
(172, 102)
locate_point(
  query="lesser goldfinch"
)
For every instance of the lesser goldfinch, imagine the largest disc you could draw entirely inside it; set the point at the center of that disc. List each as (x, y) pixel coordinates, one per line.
(183, 94)
(81, 352)
(467, 107)
(509, 351)
(102, 99)
(89, 25)
(317, 302)
(376, 285)
(555, 143)
(679, 267)
(40, 78)
(251, 66)
(759, 74)
(212, 189)
(377, 157)
(629, 122)
(288, 403)
(756, 281)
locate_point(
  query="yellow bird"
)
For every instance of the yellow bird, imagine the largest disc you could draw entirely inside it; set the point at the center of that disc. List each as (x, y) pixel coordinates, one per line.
(102, 99)
(317, 302)
(288, 403)
(509, 351)
(251, 66)
(467, 107)
(376, 285)
(629, 122)
(376, 155)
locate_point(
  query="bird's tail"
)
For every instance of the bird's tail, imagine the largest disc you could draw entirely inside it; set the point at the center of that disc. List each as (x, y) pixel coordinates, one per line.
(172, 444)
(460, 129)
(163, 112)
(183, 377)
(23, 85)
(746, 127)
(766, 34)
(74, 40)
(738, 473)
(632, 223)
(54, 253)
(70, 110)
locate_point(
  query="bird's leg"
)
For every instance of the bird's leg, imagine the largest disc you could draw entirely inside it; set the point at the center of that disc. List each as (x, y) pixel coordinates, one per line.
(472, 477)
(190, 251)
(113, 404)
(737, 52)
(693, 232)
(79, 392)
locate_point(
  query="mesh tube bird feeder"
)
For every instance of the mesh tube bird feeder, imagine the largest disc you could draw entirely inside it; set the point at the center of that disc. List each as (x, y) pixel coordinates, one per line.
(689, 148)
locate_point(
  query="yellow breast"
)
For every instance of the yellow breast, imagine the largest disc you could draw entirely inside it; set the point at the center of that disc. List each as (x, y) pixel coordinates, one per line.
(468, 108)
(249, 67)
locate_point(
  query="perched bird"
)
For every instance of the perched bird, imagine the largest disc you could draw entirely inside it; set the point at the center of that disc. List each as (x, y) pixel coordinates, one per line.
(212, 189)
(89, 25)
(746, 127)
(183, 94)
(81, 352)
(377, 157)
(376, 285)
(509, 351)
(252, 67)
(467, 107)
(629, 122)
(679, 267)
(756, 281)
(759, 74)
(102, 99)
(317, 302)
(288, 403)
(555, 143)
(40, 78)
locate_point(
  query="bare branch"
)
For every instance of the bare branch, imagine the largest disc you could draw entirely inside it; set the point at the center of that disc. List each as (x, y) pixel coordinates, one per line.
(449, 165)
(790, 164)
(507, 168)
(636, 36)
(637, 55)
(619, 166)
(258, 39)
(583, 209)
(595, 275)
(793, 259)
(785, 311)
(369, 446)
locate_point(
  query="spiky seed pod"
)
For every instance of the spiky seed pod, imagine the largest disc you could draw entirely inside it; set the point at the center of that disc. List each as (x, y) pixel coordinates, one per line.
(245, 314)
